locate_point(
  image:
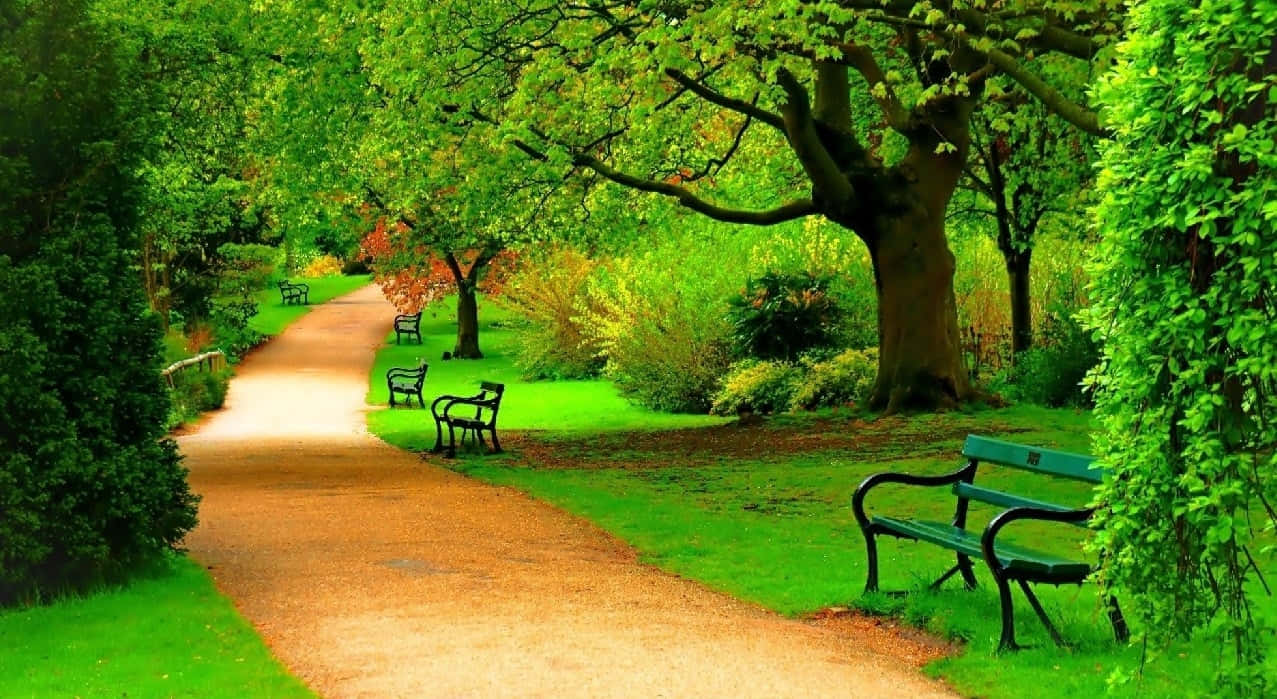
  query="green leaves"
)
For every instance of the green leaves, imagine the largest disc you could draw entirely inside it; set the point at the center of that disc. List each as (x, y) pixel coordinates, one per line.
(1184, 272)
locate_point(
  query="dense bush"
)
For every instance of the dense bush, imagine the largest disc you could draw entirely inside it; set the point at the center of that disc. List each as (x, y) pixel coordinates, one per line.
(88, 485)
(246, 268)
(322, 266)
(1052, 372)
(842, 379)
(760, 387)
(661, 328)
(549, 293)
(781, 316)
(356, 265)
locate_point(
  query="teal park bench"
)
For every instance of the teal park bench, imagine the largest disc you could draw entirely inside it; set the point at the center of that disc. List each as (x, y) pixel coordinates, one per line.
(408, 382)
(1007, 562)
(294, 293)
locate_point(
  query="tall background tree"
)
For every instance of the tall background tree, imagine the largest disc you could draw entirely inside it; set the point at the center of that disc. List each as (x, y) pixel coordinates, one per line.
(1184, 301)
(88, 485)
(624, 91)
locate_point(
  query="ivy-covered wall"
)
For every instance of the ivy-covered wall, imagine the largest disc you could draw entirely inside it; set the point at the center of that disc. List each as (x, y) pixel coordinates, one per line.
(1185, 297)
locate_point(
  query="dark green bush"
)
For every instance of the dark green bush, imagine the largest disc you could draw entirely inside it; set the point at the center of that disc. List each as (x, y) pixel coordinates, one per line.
(355, 266)
(781, 316)
(760, 387)
(89, 487)
(1051, 373)
(844, 378)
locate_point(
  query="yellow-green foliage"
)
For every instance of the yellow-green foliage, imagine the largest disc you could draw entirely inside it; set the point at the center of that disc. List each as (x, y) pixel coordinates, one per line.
(549, 293)
(322, 266)
(762, 387)
(842, 379)
(662, 329)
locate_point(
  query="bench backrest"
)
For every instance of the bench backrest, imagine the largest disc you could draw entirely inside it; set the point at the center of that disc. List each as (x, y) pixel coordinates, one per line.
(490, 394)
(1064, 464)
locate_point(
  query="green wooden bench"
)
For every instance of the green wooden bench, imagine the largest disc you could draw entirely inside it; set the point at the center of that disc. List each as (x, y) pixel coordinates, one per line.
(1007, 562)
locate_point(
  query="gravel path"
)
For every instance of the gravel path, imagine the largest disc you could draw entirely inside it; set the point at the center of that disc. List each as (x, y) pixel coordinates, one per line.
(373, 573)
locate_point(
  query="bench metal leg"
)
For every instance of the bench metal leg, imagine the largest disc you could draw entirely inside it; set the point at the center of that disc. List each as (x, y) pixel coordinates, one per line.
(1121, 631)
(496, 444)
(1037, 607)
(968, 572)
(871, 551)
(452, 441)
(1007, 642)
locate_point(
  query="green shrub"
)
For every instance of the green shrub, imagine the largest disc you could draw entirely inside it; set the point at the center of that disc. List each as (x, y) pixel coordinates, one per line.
(664, 336)
(195, 392)
(781, 316)
(1051, 373)
(230, 321)
(245, 268)
(89, 487)
(761, 387)
(548, 292)
(844, 378)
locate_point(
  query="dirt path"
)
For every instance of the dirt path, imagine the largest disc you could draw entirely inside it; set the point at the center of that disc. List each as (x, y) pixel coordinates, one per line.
(373, 573)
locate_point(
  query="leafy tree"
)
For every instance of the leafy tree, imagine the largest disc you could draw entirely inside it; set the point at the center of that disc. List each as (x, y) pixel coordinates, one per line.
(88, 485)
(1026, 166)
(640, 92)
(340, 148)
(190, 58)
(1184, 301)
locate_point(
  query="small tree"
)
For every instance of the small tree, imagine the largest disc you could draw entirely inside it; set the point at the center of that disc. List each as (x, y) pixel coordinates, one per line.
(1184, 302)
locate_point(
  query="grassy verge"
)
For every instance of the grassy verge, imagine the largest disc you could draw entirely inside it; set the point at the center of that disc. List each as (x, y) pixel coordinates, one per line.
(273, 316)
(564, 407)
(170, 634)
(772, 524)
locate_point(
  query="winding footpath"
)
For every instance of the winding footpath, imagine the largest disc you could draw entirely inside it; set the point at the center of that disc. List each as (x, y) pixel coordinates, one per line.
(371, 572)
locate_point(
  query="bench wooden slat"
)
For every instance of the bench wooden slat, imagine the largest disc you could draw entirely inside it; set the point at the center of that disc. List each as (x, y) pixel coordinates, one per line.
(1017, 558)
(997, 497)
(1057, 463)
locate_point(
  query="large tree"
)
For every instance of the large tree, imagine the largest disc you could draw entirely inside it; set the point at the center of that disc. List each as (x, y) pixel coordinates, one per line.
(624, 91)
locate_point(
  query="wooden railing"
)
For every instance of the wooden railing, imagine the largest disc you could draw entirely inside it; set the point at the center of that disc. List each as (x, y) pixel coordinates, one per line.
(215, 360)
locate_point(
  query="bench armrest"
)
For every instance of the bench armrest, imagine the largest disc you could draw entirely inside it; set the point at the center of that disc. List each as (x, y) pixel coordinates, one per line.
(303, 287)
(447, 400)
(475, 401)
(987, 540)
(966, 473)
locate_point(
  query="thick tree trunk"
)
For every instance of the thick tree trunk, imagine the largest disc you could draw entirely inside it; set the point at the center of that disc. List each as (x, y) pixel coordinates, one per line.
(1021, 311)
(920, 355)
(467, 323)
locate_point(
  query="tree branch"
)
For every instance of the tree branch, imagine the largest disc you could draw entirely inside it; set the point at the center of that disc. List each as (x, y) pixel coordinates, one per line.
(1050, 97)
(800, 128)
(788, 212)
(706, 93)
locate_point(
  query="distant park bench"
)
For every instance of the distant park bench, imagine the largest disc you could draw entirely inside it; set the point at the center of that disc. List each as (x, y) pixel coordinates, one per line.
(1007, 562)
(408, 382)
(408, 324)
(294, 293)
(456, 414)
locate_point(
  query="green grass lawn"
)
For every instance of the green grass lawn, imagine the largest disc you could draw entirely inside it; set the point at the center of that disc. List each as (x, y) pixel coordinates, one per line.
(565, 407)
(273, 316)
(170, 634)
(775, 527)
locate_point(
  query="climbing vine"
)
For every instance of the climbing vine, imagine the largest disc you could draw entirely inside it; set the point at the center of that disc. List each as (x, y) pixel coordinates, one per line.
(1184, 284)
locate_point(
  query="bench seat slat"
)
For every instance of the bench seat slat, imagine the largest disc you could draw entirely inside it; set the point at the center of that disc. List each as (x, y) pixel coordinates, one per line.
(1012, 557)
(1001, 499)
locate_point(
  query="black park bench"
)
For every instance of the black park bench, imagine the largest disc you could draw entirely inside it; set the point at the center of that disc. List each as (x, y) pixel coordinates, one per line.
(456, 414)
(1007, 562)
(408, 324)
(294, 293)
(408, 382)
